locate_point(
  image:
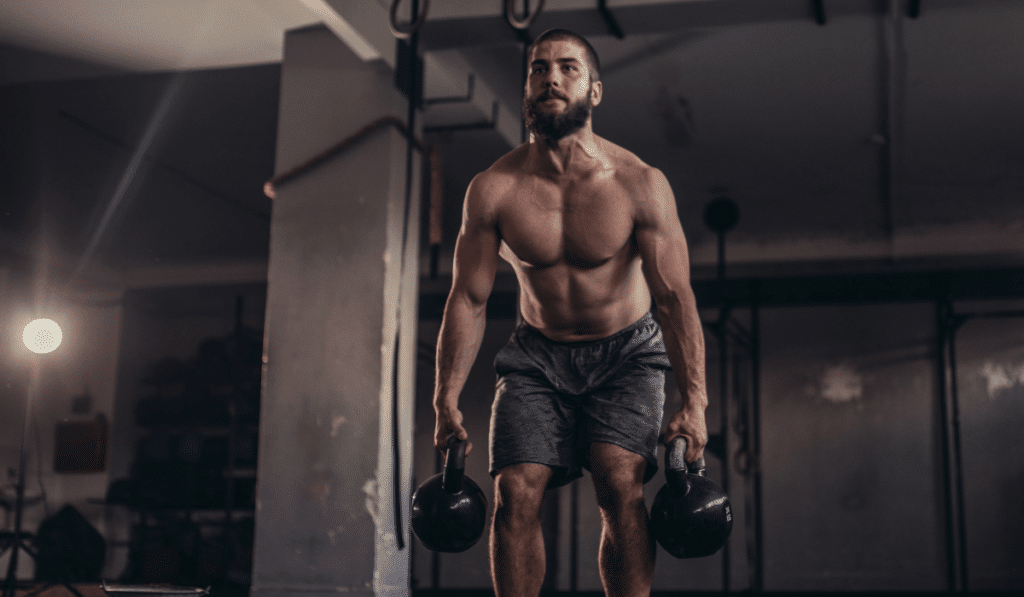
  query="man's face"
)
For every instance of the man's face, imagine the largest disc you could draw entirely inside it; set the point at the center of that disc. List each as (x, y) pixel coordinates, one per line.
(559, 95)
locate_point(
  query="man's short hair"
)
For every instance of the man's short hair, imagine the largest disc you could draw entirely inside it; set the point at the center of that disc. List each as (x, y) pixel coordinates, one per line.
(593, 64)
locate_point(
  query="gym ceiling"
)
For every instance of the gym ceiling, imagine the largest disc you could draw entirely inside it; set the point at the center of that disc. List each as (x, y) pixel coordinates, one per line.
(845, 130)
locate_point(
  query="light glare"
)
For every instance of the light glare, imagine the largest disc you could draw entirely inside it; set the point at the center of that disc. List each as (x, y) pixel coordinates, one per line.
(42, 336)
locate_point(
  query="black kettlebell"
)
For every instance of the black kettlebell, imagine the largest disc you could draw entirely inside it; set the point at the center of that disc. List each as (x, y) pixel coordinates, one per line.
(449, 510)
(691, 516)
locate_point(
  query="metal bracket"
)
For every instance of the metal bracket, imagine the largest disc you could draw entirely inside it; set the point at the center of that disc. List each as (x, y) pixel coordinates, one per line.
(609, 19)
(445, 128)
(470, 84)
(818, 8)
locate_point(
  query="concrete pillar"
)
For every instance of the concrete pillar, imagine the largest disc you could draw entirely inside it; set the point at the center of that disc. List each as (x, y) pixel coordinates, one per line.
(325, 520)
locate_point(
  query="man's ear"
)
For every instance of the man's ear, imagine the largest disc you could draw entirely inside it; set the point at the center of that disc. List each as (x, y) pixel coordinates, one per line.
(596, 91)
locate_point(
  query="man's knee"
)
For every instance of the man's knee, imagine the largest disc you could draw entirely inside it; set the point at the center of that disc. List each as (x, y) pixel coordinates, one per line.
(618, 476)
(519, 491)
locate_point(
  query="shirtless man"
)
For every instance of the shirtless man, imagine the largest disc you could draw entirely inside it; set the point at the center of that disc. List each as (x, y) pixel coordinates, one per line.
(592, 234)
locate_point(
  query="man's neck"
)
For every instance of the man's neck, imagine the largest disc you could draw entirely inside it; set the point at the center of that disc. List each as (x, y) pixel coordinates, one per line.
(574, 152)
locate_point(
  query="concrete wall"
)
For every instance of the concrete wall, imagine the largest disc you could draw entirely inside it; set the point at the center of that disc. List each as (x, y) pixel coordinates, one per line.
(326, 519)
(990, 353)
(851, 449)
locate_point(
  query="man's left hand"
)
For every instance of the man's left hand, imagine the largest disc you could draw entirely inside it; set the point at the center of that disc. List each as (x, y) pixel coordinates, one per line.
(689, 423)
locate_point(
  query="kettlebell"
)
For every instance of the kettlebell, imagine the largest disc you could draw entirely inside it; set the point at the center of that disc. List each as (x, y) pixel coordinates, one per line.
(691, 516)
(449, 510)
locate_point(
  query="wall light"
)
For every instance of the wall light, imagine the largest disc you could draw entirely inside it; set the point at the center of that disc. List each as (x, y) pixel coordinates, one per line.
(42, 336)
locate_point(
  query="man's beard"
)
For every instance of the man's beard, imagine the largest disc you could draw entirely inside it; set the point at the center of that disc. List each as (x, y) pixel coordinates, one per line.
(552, 127)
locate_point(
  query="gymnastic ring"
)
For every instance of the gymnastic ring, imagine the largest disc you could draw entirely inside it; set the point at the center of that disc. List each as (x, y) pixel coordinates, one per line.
(406, 33)
(516, 23)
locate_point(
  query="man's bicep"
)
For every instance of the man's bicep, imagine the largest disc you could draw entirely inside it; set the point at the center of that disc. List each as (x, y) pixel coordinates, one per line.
(476, 248)
(665, 262)
(661, 241)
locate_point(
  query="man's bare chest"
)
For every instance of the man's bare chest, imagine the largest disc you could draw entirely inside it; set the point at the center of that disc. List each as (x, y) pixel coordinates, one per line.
(584, 225)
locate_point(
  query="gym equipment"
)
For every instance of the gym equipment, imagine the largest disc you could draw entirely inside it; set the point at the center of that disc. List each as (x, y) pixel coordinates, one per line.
(521, 25)
(153, 590)
(721, 215)
(69, 549)
(407, 31)
(691, 516)
(449, 509)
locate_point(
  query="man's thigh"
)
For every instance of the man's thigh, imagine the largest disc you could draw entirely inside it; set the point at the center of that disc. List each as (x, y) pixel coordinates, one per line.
(627, 412)
(532, 423)
(612, 462)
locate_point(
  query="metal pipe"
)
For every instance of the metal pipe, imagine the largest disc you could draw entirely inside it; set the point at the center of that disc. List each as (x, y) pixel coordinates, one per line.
(947, 494)
(723, 396)
(435, 557)
(818, 8)
(396, 451)
(609, 19)
(958, 477)
(574, 537)
(991, 315)
(721, 256)
(913, 8)
(757, 583)
(11, 582)
(740, 426)
(270, 187)
(891, 82)
(952, 322)
(720, 330)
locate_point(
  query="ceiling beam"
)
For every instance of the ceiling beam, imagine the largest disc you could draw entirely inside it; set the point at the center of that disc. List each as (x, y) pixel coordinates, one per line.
(446, 73)
(458, 26)
(633, 19)
(462, 24)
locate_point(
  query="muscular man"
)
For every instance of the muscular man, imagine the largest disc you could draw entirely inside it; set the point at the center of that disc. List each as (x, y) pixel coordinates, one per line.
(592, 234)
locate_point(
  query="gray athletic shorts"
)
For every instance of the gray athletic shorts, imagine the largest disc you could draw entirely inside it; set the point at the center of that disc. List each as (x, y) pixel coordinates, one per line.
(553, 399)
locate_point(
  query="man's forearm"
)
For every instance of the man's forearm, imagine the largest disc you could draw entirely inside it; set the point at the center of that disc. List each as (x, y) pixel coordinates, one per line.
(462, 330)
(684, 343)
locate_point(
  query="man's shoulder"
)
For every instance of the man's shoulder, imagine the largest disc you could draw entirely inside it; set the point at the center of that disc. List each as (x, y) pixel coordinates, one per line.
(502, 173)
(633, 172)
(645, 185)
(488, 189)
(510, 165)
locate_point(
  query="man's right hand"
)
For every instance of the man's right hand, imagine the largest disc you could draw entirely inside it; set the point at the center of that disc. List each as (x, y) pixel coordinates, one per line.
(449, 423)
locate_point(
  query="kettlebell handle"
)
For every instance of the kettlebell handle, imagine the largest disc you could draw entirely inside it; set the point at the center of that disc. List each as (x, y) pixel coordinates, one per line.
(675, 459)
(454, 465)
